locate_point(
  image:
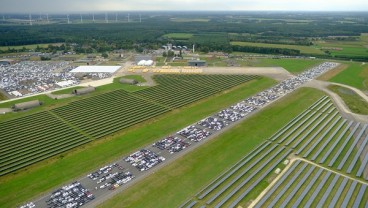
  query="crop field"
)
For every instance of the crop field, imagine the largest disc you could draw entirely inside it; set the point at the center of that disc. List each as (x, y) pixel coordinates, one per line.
(305, 185)
(320, 135)
(303, 49)
(101, 115)
(356, 75)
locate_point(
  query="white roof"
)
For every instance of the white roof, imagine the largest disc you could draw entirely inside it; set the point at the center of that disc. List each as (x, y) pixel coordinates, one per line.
(95, 69)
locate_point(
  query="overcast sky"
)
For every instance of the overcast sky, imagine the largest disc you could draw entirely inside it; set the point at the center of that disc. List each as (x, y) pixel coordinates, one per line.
(52, 6)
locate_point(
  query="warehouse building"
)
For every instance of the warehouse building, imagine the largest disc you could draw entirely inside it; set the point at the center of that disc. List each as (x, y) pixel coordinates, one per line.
(85, 90)
(27, 105)
(196, 63)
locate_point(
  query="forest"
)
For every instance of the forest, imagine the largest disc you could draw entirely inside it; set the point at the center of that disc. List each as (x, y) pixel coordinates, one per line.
(214, 34)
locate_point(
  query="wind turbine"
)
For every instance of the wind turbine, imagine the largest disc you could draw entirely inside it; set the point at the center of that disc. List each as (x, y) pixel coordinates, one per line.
(116, 17)
(47, 17)
(140, 18)
(67, 16)
(106, 18)
(81, 18)
(128, 17)
(93, 18)
(30, 19)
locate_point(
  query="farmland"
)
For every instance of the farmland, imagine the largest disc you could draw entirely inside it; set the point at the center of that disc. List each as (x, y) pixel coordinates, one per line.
(303, 49)
(74, 164)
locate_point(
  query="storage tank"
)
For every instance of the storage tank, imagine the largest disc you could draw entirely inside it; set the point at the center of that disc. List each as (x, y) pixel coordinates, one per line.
(128, 81)
(83, 91)
(27, 105)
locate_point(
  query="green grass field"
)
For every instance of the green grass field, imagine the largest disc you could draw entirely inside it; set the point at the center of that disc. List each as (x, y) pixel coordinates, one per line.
(355, 75)
(303, 49)
(50, 174)
(355, 103)
(179, 181)
(179, 36)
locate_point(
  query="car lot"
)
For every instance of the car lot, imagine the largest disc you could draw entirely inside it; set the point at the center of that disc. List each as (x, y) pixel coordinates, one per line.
(32, 77)
(102, 182)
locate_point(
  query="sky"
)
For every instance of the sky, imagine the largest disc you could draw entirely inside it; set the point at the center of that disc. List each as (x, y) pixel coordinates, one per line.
(57, 6)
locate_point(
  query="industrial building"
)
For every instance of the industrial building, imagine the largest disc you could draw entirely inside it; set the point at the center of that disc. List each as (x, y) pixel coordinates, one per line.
(26, 105)
(139, 58)
(85, 90)
(196, 63)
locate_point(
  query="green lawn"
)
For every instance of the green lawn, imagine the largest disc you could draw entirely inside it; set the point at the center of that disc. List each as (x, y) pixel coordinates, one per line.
(303, 49)
(294, 66)
(179, 181)
(355, 75)
(50, 174)
(179, 36)
(355, 103)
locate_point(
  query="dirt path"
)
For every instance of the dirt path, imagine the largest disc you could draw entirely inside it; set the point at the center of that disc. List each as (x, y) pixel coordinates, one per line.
(339, 103)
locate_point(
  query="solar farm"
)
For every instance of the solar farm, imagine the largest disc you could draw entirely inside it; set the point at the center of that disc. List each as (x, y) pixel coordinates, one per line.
(49, 133)
(318, 159)
(326, 170)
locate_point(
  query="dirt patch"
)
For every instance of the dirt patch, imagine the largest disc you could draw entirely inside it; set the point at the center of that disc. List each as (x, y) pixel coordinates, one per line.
(328, 75)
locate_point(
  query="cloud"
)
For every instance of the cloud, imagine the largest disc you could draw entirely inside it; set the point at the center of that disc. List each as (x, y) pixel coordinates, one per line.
(29, 6)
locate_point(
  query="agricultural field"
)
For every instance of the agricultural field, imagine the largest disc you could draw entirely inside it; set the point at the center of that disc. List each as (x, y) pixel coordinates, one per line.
(107, 113)
(357, 48)
(303, 49)
(354, 102)
(319, 134)
(355, 75)
(55, 172)
(188, 176)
